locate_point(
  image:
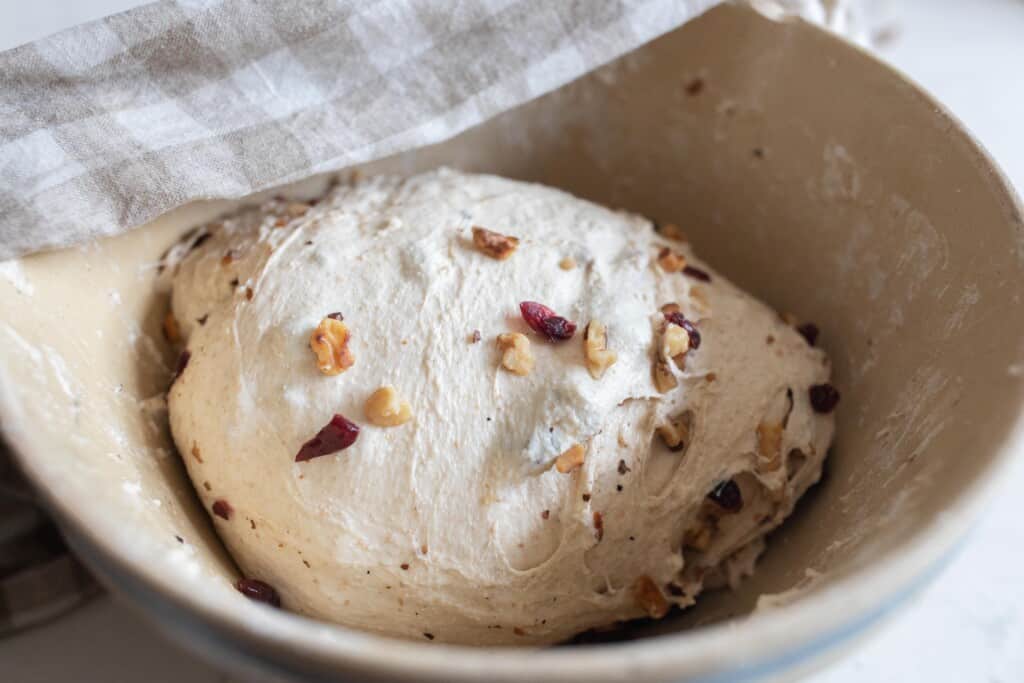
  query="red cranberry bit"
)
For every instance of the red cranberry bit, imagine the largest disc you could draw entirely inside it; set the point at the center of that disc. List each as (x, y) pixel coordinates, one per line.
(676, 318)
(810, 332)
(727, 495)
(337, 435)
(223, 509)
(543, 320)
(336, 316)
(696, 273)
(824, 398)
(257, 590)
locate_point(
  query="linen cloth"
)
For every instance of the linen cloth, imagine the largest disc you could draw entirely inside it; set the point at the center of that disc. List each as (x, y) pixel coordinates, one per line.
(109, 124)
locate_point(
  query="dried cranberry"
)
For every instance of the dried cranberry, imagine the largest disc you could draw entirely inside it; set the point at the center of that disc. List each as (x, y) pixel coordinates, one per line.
(543, 320)
(222, 509)
(257, 590)
(182, 364)
(696, 273)
(336, 316)
(810, 332)
(337, 435)
(824, 398)
(676, 318)
(727, 495)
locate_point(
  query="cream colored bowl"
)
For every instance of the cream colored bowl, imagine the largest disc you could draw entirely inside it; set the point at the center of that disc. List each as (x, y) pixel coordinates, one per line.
(808, 172)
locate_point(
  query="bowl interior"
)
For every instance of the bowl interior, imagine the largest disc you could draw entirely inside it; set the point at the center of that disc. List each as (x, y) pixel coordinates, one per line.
(811, 175)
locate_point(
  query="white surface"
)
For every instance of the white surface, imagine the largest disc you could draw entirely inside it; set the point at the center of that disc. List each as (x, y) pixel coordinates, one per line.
(967, 627)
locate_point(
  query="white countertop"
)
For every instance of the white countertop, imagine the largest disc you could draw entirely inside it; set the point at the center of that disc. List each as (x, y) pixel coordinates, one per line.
(967, 627)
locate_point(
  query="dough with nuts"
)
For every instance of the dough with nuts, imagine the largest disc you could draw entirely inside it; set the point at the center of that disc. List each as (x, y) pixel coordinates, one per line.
(372, 454)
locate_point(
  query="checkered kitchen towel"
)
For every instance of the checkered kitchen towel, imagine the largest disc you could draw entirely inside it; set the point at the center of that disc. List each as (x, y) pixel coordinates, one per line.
(109, 124)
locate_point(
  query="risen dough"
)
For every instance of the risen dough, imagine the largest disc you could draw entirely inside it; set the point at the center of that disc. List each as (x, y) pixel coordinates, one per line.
(456, 523)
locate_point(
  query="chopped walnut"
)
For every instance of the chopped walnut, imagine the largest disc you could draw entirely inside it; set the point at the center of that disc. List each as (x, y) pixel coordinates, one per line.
(595, 349)
(672, 232)
(516, 355)
(671, 261)
(649, 597)
(698, 538)
(676, 432)
(571, 459)
(494, 244)
(769, 446)
(329, 341)
(598, 526)
(172, 332)
(386, 408)
(567, 263)
(675, 341)
(664, 380)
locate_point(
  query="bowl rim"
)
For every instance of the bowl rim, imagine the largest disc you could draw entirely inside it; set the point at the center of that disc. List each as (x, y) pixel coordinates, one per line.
(815, 622)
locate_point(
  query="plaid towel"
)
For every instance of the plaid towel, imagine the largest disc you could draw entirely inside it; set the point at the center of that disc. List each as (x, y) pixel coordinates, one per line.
(109, 124)
(39, 579)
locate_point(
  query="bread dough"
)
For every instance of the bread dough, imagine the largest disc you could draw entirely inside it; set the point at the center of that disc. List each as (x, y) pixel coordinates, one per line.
(456, 526)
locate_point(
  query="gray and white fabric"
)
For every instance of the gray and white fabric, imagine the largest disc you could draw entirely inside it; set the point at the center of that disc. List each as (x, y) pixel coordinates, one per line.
(109, 124)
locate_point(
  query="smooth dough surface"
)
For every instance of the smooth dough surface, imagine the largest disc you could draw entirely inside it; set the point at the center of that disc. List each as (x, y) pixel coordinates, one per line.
(456, 526)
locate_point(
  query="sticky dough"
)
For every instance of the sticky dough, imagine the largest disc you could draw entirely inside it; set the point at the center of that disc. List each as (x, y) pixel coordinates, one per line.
(456, 526)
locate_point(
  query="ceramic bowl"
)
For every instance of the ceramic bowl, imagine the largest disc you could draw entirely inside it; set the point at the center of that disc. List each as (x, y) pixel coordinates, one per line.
(810, 173)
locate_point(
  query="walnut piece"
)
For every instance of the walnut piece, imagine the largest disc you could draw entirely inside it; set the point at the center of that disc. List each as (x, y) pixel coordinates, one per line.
(649, 597)
(668, 309)
(386, 408)
(567, 263)
(769, 446)
(664, 380)
(672, 232)
(171, 330)
(494, 244)
(516, 355)
(675, 341)
(671, 261)
(595, 349)
(676, 432)
(329, 341)
(571, 459)
(698, 538)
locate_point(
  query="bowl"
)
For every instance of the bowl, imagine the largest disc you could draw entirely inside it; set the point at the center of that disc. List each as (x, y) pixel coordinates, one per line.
(810, 173)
